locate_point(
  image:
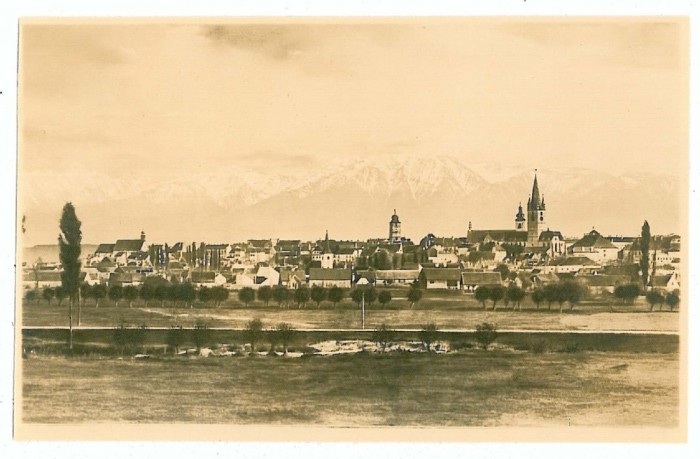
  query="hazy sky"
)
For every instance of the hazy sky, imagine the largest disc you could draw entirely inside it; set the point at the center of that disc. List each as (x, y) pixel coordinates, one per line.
(161, 99)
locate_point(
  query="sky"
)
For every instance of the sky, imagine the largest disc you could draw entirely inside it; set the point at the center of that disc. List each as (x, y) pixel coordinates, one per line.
(157, 99)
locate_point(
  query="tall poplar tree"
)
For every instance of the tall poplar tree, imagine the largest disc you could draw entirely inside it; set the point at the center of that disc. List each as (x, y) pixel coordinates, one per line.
(644, 246)
(69, 253)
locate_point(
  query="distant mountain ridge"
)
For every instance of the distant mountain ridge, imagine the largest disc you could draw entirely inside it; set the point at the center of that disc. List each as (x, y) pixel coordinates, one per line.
(350, 198)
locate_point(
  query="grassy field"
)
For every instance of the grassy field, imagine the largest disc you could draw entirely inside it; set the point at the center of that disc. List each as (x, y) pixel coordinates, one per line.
(468, 388)
(448, 314)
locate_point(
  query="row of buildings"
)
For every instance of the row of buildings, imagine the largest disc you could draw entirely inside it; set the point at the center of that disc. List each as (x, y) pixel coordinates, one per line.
(531, 250)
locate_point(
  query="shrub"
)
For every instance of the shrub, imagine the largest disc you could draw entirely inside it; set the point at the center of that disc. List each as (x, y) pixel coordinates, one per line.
(283, 334)
(175, 338)
(48, 294)
(280, 295)
(672, 300)
(539, 346)
(428, 334)
(318, 294)
(246, 295)
(127, 338)
(496, 294)
(301, 296)
(201, 335)
(383, 335)
(537, 296)
(384, 297)
(253, 332)
(265, 294)
(482, 294)
(335, 295)
(654, 298)
(485, 334)
(627, 293)
(414, 295)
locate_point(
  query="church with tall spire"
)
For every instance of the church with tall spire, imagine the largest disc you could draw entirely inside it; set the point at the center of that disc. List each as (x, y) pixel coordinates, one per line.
(530, 231)
(535, 214)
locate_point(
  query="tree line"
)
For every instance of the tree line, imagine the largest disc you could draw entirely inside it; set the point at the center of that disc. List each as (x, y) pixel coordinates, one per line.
(162, 292)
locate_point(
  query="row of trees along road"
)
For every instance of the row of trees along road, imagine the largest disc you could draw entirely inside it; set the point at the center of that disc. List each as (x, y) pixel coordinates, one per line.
(184, 294)
(560, 293)
(302, 295)
(175, 294)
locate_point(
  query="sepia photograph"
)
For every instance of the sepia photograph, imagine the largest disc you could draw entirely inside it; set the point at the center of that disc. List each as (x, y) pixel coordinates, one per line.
(472, 226)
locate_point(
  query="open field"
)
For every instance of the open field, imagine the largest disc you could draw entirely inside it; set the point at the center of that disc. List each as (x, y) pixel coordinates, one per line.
(467, 388)
(446, 315)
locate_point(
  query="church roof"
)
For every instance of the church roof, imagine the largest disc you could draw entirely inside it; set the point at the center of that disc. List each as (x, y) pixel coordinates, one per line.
(128, 245)
(105, 248)
(594, 239)
(548, 235)
(500, 236)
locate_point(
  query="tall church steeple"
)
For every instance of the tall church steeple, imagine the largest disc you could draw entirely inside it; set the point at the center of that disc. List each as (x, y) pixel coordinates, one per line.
(535, 214)
(534, 201)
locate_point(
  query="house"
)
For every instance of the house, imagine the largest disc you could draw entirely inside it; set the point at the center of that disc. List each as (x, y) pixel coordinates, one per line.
(668, 283)
(267, 276)
(396, 276)
(260, 251)
(297, 278)
(330, 277)
(93, 276)
(595, 247)
(175, 268)
(670, 244)
(621, 241)
(541, 279)
(287, 251)
(292, 278)
(441, 278)
(207, 279)
(244, 279)
(41, 279)
(123, 279)
(472, 280)
(569, 265)
(480, 260)
(369, 275)
(602, 283)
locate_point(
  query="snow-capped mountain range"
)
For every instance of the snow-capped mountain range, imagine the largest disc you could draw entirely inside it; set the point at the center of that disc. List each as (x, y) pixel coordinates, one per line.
(352, 198)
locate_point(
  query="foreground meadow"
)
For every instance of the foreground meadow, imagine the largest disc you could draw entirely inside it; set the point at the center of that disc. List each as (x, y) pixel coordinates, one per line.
(466, 388)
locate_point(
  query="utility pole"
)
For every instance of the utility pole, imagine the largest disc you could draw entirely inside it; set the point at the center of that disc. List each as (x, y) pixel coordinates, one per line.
(363, 309)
